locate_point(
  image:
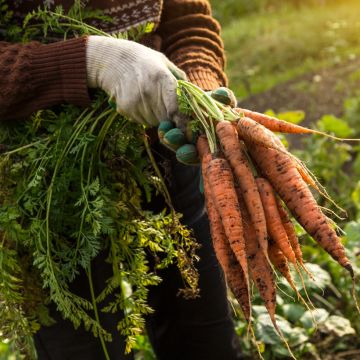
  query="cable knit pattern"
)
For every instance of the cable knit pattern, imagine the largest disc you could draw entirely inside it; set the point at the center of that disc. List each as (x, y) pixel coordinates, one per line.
(191, 39)
(35, 76)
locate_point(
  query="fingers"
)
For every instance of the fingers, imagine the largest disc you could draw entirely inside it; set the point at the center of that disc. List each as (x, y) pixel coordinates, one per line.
(168, 97)
(139, 105)
(150, 99)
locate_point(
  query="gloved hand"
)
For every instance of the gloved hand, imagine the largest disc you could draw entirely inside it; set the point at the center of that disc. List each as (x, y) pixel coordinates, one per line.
(141, 81)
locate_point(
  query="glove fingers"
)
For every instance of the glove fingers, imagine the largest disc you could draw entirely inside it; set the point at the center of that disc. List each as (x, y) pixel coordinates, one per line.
(135, 108)
(146, 115)
(149, 107)
(150, 100)
(169, 98)
(150, 118)
(160, 105)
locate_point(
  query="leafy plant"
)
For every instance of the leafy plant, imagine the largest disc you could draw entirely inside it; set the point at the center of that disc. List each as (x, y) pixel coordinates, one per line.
(73, 184)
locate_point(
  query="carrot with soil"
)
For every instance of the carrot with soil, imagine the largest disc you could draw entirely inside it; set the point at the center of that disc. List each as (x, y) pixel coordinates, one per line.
(277, 125)
(290, 231)
(258, 134)
(227, 260)
(223, 193)
(284, 177)
(239, 163)
(251, 131)
(260, 270)
(281, 264)
(273, 220)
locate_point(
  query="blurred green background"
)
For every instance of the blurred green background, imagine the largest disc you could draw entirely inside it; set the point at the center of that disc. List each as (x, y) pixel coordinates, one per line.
(300, 60)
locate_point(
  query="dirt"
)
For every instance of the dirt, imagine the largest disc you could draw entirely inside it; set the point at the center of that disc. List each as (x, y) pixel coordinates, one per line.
(317, 93)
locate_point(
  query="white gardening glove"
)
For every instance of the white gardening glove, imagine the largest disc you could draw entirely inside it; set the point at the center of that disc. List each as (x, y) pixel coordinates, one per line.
(138, 79)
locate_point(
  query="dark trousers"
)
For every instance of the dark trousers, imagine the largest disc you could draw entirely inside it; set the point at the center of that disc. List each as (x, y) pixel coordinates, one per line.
(179, 329)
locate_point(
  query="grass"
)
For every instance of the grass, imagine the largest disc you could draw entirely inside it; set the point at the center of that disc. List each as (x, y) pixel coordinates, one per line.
(267, 48)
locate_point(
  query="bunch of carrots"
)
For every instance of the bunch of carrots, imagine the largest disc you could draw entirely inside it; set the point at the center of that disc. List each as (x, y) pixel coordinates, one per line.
(252, 186)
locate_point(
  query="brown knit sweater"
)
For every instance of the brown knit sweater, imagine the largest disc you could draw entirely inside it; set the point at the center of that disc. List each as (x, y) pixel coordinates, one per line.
(35, 76)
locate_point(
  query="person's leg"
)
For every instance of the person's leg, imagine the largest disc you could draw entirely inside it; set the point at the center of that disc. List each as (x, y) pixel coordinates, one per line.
(62, 341)
(192, 329)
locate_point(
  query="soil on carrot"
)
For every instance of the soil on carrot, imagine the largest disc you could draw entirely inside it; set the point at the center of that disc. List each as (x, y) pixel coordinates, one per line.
(319, 93)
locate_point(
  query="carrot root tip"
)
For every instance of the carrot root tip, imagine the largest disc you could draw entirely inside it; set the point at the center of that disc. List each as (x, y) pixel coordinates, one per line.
(350, 269)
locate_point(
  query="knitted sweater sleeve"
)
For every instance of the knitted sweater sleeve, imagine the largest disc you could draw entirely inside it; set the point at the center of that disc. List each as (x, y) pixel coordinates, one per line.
(34, 76)
(191, 39)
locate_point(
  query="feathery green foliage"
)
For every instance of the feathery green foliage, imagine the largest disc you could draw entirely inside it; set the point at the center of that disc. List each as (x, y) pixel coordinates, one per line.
(72, 185)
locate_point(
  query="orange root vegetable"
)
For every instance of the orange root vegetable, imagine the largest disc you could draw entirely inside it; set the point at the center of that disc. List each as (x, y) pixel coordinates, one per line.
(305, 173)
(202, 147)
(251, 131)
(290, 231)
(232, 269)
(284, 177)
(281, 264)
(278, 259)
(273, 220)
(239, 163)
(262, 274)
(306, 176)
(260, 270)
(274, 124)
(236, 280)
(221, 183)
(293, 238)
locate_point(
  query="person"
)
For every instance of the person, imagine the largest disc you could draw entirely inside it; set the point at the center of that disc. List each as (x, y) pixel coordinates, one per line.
(141, 79)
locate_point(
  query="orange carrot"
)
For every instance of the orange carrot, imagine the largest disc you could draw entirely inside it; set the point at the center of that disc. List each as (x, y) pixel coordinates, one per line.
(232, 269)
(283, 175)
(224, 196)
(260, 270)
(277, 125)
(273, 220)
(304, 172)
(251, 131)
(306, 176)
(237, 284)
(202, 146)
(239, 163)
(278, 259)
(281, 264)
(290, 231)
(254, 132)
